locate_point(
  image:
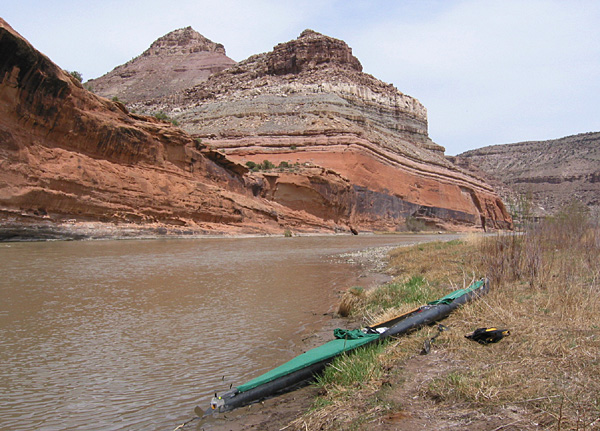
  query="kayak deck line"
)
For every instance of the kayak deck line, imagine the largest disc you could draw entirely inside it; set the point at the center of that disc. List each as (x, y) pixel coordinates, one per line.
(304, 367)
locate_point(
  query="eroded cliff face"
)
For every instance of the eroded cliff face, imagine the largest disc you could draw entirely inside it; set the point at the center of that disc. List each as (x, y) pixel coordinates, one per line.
(68, 155)
(308, 102)
(551, 173)
(356, 152)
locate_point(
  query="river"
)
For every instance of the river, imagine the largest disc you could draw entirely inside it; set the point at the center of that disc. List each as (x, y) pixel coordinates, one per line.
(132, 334)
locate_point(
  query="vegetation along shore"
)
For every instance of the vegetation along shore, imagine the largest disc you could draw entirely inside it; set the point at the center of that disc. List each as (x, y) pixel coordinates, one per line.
(545, 375)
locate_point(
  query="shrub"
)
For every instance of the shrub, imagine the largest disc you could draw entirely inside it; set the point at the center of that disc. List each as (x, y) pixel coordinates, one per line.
(266, 165)
(521, 209)
(164, 117)
(77, 75)
(413, 224)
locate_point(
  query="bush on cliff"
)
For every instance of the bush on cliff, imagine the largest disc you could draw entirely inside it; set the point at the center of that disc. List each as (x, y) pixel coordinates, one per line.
(77, 75)
(164, 117)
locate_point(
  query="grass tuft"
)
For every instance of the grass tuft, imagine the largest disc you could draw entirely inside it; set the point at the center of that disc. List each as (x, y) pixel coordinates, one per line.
(351, 300)
(352, 370)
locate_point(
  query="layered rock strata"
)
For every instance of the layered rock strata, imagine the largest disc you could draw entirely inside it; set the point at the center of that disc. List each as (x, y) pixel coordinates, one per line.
(356, 151)
(69, 156)
(551, 173)
(176, 61)
(308, 102)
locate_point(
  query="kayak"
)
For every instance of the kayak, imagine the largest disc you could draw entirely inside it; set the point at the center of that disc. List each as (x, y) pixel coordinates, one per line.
(305, 367)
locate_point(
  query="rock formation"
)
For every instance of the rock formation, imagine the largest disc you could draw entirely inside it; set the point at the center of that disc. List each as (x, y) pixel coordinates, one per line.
(309, 102)
(552, 173)
(67, 155)
(355, 151)
(178, 60)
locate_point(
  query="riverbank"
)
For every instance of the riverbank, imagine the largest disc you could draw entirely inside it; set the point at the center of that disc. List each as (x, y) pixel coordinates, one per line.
(72, 230)
(545, 375)
(34, 227)
(277, 413)
(76, 230)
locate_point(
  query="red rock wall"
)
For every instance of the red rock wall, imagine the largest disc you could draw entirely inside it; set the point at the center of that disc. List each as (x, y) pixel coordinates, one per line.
(66, 153)
(386, 187)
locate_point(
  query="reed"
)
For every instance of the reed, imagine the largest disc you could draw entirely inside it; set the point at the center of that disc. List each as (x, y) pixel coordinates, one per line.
(547, 292)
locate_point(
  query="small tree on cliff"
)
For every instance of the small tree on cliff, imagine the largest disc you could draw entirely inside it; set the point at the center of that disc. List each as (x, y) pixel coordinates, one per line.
(77, 75)
(266, 165)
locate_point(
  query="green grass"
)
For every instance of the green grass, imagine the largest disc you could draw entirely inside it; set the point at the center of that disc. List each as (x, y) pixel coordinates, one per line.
(350, 370)
(414, 291)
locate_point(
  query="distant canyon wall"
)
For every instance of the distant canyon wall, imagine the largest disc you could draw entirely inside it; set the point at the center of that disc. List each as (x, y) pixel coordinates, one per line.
(551, 173)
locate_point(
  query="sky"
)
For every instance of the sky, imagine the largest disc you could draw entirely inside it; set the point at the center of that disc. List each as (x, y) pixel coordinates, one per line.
(488, 71)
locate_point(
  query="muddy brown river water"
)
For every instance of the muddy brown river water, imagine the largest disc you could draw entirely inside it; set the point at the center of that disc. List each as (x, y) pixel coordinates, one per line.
(123, 335)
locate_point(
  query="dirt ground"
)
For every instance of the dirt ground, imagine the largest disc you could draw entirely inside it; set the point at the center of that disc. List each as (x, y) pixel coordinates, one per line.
(420, 412)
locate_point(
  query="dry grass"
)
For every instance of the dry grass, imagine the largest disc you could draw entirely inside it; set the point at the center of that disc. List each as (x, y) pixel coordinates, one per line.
(421, 273)
(546, 291)
(438, 262)
(548, 294)
(351, 299)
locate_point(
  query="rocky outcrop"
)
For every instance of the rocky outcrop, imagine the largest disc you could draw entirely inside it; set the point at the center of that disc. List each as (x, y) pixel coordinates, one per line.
(68, 156)
(552, 173)
(308, 102)
(310, 50)
(176, 61)
(352, 153)
(298, 90)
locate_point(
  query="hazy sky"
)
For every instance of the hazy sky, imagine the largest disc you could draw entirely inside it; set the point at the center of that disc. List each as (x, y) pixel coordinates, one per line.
(488, 71)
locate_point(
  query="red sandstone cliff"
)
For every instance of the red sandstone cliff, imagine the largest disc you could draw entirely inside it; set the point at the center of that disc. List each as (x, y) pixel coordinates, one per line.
(67, 154)
(309, 102)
